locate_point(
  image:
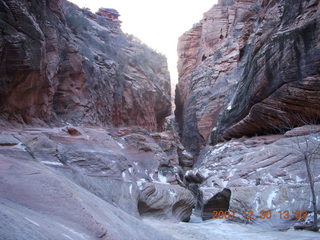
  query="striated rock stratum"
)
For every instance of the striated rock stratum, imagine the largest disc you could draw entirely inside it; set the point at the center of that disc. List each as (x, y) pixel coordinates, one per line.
(63, 64)
(248, 68)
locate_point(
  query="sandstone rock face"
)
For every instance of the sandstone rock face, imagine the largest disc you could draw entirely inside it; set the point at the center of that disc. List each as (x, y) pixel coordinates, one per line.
(263, 173)
(63, 64)
(246, 68)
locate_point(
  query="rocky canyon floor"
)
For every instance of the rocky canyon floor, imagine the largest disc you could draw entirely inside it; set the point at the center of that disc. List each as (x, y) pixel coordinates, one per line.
(106, 183)
(222, 230)
(89, 146)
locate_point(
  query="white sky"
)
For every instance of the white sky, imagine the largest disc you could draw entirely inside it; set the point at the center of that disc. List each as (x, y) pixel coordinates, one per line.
(158, 24)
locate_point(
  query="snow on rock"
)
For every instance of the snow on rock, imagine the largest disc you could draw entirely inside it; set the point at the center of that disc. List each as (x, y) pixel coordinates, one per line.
(270, 199)
(52, 163)
(263, 173)
(162, 178)
(120, 145)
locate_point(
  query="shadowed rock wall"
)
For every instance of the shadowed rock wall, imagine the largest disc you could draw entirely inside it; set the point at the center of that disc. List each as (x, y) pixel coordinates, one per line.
(247, 68)
(63, 64)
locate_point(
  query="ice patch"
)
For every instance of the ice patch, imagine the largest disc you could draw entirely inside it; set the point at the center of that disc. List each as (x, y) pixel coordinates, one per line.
(232, 172)
(299, 180)
(123, 174)
(172, 193)
(20, 146)
(219, 148)
(130, 170)
(52, 163)
(257, 200)
(162, 178)
(33, 222)
(230, 103)
(140, 183)
(224, 183)
(120, 145)
(151, 176)
(130, 188)
(81, 235)
(67, 236)
(317, 138)
(205, 172)
(272, 195)
(187, 154)
(268, 178)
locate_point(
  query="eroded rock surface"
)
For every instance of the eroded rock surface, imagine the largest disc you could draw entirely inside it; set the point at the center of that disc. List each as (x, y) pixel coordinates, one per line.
(263, 173)
(115, 167)
(247, 68)
(40, 203)
(219, 202)
(63, 64)
(163, 200)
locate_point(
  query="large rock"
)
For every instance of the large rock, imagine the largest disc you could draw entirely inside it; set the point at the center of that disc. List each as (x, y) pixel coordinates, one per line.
(219, 202)
(263, 173)
(166, 201)
(40, 203)
(60, 63)
(247, 68)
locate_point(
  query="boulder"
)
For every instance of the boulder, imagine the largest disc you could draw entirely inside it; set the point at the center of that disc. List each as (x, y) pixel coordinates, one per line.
(219, 202)
(166, 201)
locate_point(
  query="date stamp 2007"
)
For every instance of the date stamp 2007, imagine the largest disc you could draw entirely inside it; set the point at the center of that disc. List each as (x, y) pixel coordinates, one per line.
(261, 215)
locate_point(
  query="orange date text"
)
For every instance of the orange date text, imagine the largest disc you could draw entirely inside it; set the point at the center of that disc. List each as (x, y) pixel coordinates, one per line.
(268, 214)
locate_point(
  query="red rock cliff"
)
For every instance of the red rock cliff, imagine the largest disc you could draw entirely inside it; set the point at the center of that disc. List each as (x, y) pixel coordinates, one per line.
(61, 64)
(247, 68)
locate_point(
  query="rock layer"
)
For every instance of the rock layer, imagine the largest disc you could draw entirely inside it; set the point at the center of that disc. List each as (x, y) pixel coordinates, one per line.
(263, 173)
(247, 68)
(60, 63)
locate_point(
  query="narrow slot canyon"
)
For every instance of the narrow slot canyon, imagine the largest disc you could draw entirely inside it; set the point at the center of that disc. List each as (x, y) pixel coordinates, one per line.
(97, 141)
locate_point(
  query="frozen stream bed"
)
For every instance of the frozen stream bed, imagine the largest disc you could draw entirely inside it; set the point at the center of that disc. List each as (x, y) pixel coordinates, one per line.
(220, 229)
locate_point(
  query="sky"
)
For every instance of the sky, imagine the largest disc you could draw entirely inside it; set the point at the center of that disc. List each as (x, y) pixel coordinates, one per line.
(158, 24)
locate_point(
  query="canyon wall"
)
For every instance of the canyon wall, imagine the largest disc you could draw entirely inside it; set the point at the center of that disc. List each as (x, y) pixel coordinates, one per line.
(62, 64)
(248, 68)
(78, 102)
(248, 107)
